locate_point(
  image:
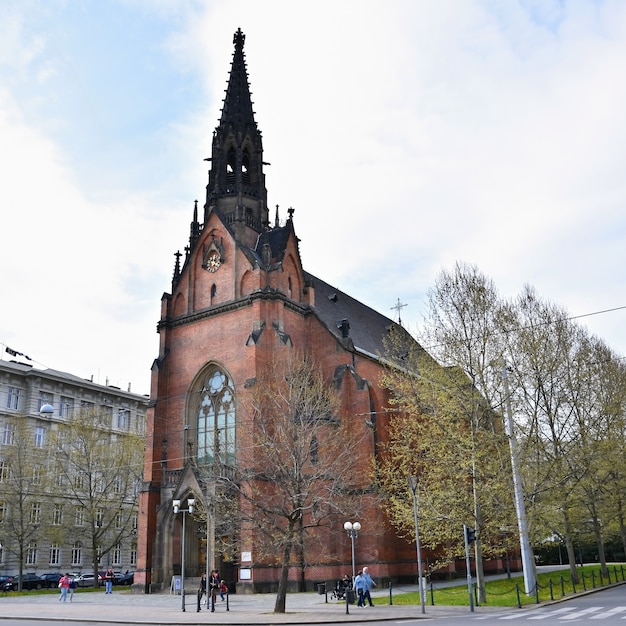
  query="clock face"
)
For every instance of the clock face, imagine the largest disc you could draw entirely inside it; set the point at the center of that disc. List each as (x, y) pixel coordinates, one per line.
(214, 261)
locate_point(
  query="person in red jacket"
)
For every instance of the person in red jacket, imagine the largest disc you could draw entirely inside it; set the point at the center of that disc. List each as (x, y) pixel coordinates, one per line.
(64, 585)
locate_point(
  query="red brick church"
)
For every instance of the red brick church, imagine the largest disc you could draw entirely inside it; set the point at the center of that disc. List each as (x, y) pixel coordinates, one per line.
(239, 297)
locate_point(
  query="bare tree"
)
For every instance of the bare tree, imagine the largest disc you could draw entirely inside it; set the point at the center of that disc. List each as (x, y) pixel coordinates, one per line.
(100, 471)
(296, 468)
(24, 483)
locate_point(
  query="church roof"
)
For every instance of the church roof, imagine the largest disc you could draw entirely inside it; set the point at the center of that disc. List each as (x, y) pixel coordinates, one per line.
(367, 328)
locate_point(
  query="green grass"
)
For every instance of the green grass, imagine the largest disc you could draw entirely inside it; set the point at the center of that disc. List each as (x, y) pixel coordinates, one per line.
(55, 591)
(504, 592)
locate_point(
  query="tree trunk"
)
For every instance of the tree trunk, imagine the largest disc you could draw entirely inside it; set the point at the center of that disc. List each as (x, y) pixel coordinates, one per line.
(281, 596)
(622, 525)
(597, 531)
(571, 556)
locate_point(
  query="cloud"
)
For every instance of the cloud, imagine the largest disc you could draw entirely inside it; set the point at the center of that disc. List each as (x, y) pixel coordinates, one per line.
(406, 135)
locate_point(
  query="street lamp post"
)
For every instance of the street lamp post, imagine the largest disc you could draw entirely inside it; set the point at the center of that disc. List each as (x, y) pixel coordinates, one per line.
(413, 485)
(352, 528)
(177, 509)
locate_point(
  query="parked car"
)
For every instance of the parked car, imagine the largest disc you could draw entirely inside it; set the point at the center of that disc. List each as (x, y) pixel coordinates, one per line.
(85, 580)
(52, 579)
(3, 583)
(126, 579)
(29, 582)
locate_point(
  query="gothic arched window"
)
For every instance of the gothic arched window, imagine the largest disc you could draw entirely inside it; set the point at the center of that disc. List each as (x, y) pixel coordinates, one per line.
(216, 419)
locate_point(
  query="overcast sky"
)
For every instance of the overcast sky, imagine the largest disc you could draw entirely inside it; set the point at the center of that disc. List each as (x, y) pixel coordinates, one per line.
(406, 134)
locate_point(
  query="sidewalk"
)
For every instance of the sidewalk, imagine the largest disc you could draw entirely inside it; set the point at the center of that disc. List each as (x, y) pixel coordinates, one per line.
(126, 608)
(246, 610)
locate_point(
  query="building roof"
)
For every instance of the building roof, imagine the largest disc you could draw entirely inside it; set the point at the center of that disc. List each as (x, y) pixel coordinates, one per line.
(365, 327)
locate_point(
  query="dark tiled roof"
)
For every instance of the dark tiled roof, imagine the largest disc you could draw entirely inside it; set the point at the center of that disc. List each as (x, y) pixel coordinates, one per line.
(277, 238)
(367, 326)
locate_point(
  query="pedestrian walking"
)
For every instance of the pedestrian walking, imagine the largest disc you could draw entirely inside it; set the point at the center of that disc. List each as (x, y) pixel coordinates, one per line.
(214, 586)
(109, 577)
(64, 585)
(202, 589)
(359, 587)
(72, 587)
(369, 583)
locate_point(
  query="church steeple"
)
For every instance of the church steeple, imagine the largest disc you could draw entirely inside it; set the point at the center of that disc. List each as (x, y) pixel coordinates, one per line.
(236, 188)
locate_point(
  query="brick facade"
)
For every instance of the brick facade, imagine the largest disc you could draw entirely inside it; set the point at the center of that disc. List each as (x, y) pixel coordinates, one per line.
(239, 298)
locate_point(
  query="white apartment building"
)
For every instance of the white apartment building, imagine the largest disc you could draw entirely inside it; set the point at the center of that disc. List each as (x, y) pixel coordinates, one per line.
(49, 518)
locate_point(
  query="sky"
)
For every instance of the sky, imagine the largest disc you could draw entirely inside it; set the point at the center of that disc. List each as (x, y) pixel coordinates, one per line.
(408, 135)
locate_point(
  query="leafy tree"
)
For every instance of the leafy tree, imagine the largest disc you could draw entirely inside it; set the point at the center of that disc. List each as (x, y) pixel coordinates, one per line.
(100, 471)
(295, 467)
(444, 433)
(462, 330)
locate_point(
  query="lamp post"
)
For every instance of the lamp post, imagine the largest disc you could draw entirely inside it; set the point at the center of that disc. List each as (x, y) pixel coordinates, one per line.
(352, 528)
(177, 509)
(413, 485)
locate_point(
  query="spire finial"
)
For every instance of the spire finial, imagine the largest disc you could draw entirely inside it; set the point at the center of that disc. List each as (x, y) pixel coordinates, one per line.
(239, 39)
(276, 220)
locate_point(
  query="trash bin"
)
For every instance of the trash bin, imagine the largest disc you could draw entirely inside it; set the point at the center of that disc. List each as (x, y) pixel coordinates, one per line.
(350, 596)
(321, 588)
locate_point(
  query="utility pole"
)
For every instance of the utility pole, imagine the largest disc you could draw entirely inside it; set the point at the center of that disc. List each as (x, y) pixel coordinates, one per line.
(528, 564)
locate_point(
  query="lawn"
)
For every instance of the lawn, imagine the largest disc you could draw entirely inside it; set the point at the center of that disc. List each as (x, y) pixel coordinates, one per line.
(510, 591)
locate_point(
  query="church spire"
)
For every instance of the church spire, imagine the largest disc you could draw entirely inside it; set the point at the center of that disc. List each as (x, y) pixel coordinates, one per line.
(236, 186)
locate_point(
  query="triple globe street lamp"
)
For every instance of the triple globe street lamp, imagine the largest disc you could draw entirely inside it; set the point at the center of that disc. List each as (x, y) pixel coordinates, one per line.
(177, 509)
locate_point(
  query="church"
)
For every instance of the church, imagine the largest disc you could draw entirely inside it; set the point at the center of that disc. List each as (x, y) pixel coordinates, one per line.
(240, 297)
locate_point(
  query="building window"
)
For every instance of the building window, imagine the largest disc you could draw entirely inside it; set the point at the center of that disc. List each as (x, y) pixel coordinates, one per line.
(66, 406)
(55, 554)
(4, 471)
(31, 554)
(13, 398)
(314, 448)
(140, 425)
(79, 481)
(106, 415)
(40, 436)
(77, 553)
(135, 522)
(8, 434)
(57, 515)
(99, 518)
(216, 420)
(133, 554)
(37, 474)
(3, 511)
(44, 398)
(123, 418)
(117, 555)
(35, 513)
(118, 485)
(79, 516)
(119, 520)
